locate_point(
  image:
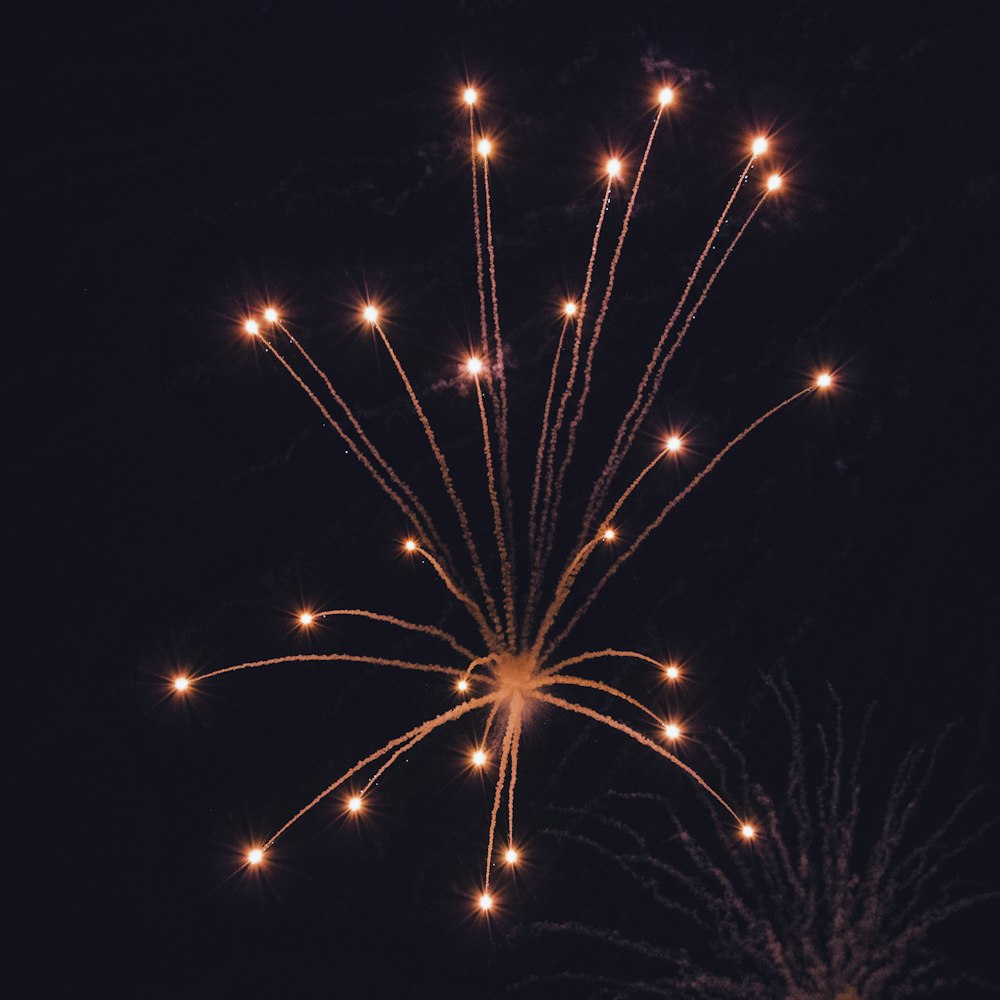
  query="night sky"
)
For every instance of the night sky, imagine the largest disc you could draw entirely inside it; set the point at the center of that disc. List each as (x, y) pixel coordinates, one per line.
(176, 165)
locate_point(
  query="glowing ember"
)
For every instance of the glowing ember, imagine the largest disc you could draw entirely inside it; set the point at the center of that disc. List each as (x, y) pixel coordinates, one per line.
(666, 96)
(271, 315)
(485, 147)
(371, 314)
(824, 381)
(748, 831)
(256, 856)
(479, 758)
(473, 366)
(485, 901)
(470, 97)
(354, 804)
(673, 443)
(252, 327)
(673, 672)
(569, 309)
(614, 168)
(672, 730)
(181, 683)
(774, 182)
(759, 146)
(511, 856)
(306, 618)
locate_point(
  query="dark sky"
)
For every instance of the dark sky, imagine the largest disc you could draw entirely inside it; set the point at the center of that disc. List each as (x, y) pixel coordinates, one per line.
(174, 164)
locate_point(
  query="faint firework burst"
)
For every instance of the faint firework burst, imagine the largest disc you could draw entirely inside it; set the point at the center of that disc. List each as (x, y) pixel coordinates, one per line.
(516, 578)
(836, 902)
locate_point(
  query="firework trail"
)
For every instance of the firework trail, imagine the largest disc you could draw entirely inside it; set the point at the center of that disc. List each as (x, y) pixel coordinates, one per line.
(511, 666)
(580, 311)
(614, 169)
(832, 905)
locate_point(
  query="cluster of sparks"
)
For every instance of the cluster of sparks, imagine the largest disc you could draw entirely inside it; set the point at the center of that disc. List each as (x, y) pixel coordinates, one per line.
(513, 668)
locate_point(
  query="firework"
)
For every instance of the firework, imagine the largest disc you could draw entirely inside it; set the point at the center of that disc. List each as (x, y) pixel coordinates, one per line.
(522, 618)
(832, 903)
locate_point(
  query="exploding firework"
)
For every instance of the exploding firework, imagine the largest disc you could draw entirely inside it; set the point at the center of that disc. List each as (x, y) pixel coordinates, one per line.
(519, 579)
(836, 902)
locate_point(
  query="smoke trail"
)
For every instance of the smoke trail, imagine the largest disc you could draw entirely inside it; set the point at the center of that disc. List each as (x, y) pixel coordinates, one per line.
(432, 630)
(596, 335)
(456, 501)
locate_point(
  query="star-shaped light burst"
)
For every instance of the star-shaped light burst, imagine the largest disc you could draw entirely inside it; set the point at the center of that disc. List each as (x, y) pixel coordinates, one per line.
(521, 607)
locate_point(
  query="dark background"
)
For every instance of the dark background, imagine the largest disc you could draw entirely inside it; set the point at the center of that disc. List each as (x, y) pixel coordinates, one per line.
(175, 165)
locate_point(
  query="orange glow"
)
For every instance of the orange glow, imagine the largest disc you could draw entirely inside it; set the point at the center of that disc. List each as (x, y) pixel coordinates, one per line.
(252, 327)
(511, 856)
(410, 545)
(569, 309)
(479, 758)
(614, 167)
(672, 730)
(371, 314)
(609, 534)
(463, 685)
(470, 96)
(271, 315)
(748, 832)
(774, 182)
(256, 856)
(473, 366)
(181, 683)
(306, 618)
(673, 672)
(673, 443)
(485, 901)
(824, 380)
(485, 147)
(759, 146)
(666, 96)
(354, 803)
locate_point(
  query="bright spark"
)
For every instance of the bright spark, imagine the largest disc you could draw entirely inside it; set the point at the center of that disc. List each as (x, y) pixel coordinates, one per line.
(510, 856)
(410, 545)
(666, 96)
(252, 327)
(824, 381)
(479, 758)
(181, 683)
(748, 832)
(485, 147)
(673, 443)
(354, 803)
(774, 182)
(609, 534)
(673, 672)
(256, 856)
(271, 315)
(463, 685)
(672, 730)
(614, 167)
(306, 618)
(470, 96)
(485, 901)
(759, 146)
(371, 314)
(569, 309)
(473, 366)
